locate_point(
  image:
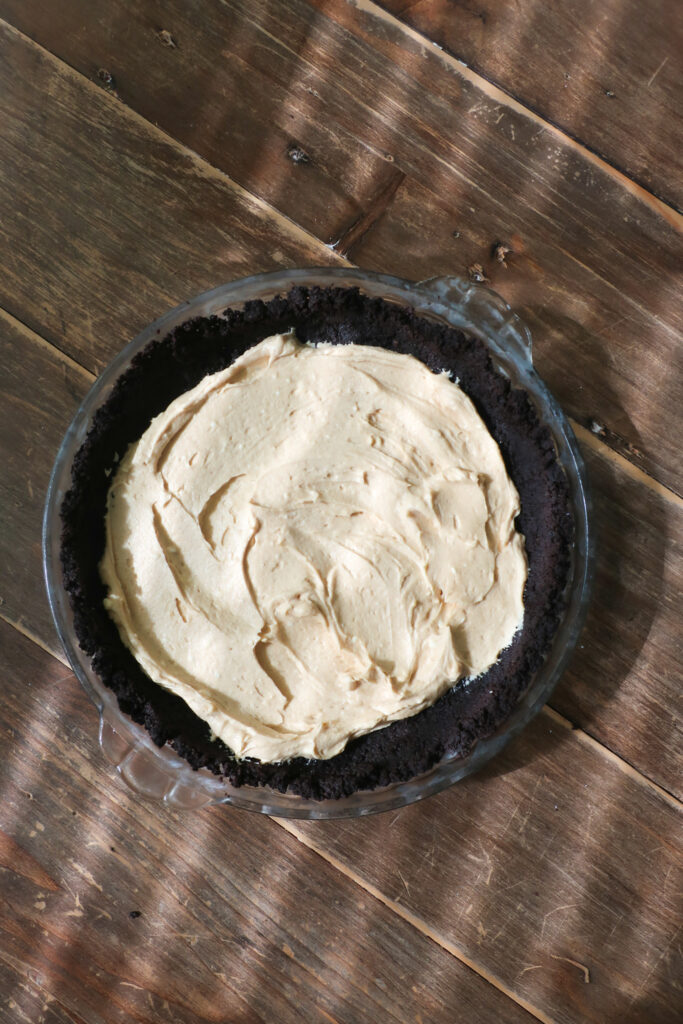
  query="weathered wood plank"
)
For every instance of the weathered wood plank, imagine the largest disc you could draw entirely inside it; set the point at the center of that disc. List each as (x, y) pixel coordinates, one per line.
(40, 390)
(600, 258)
(610, 77)
(188, 68)
(617, 368)
(592, 249)
(157, 916)
(113, 224)
(25, 1000)
(623, 685)
(554, 871)
(267, 930)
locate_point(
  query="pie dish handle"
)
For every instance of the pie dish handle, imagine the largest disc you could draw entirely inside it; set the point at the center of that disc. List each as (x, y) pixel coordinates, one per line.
(482, 310)
(149, 773)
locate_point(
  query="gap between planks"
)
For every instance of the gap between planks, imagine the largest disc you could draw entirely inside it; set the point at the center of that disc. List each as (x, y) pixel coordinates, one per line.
(55, 351)
(499, 95)
(619, 762)
(412, 919)
(59, 656)
(593, 441)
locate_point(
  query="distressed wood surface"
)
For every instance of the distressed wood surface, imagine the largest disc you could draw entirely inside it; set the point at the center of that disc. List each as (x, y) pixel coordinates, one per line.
(122, 911)
(608, 74)
(600, 253)
(191, 69)
(153, 150)
(599, 261)
(40, 390)
(555, 871)
(112, 208)
(623, 685)
(616, 368)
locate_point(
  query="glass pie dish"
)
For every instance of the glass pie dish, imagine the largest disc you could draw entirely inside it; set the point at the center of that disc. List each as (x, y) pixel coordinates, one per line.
(160, 773)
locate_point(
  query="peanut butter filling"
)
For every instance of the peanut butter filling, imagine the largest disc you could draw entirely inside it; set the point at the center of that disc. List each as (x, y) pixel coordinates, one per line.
(313, 543)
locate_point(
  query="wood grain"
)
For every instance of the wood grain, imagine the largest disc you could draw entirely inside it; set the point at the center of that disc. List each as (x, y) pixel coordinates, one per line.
(154, 150)
(40, 390)
(607, 75)
(553, 871)
(623, 685)
(155, 916)
(616, 368)
(599, 258)
(194, 69)
(110, 208)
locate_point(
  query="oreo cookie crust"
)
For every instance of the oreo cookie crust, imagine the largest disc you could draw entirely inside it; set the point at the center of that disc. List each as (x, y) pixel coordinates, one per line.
(170, 366)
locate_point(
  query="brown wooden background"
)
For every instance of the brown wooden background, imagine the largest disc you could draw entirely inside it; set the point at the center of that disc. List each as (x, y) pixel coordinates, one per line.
(150, 150)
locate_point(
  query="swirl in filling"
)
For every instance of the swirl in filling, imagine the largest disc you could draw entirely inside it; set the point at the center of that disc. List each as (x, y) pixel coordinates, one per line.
(313, 543)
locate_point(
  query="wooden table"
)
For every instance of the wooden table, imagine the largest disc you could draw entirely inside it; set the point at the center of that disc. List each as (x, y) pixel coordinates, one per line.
(150, 150)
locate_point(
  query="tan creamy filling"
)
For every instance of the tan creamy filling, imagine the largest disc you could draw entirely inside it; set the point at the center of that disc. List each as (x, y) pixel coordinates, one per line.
(313, 543)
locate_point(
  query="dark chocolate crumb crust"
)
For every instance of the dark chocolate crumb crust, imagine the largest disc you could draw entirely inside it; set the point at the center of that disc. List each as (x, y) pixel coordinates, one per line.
(168, 367)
